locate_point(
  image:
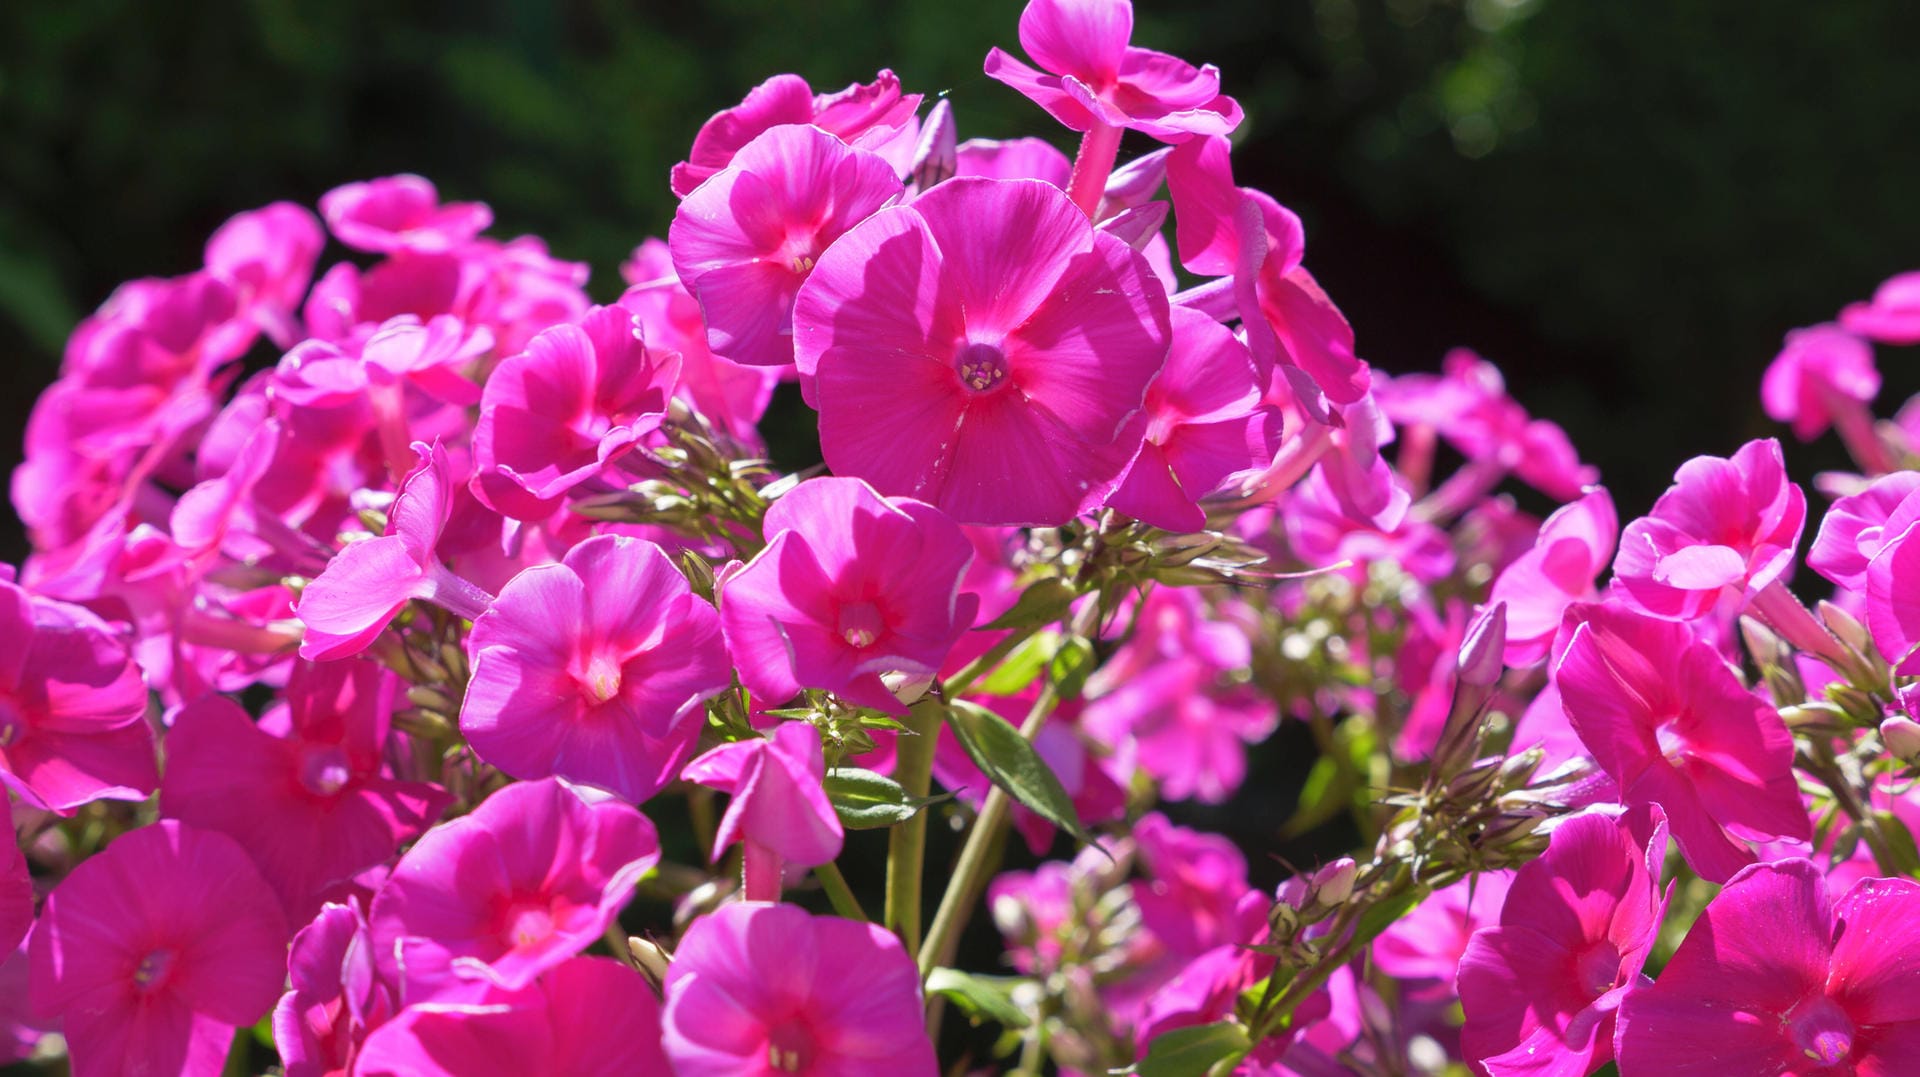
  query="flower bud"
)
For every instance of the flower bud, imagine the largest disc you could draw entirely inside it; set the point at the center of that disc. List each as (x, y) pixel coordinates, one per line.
(1902, 738)
(1333, 883)
(1480, 660)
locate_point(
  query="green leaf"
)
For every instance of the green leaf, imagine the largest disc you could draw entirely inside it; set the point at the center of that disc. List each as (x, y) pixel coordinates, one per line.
(1010, 762)
(864, 800)
(1322, 797)
(1043, 602)
(1070, 666)
(981, 998)
(1381, 916)
(1191, 1052)
(1021, 666)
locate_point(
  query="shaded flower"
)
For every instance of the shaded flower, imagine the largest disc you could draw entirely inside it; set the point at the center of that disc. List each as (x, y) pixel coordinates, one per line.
(1893, 315)
(777, 802)
(1569, 554)
(869, 115)
(400, 213)
(1822, 370)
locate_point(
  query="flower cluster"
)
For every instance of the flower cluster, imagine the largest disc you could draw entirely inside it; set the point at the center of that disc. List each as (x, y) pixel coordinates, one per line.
(373, 619)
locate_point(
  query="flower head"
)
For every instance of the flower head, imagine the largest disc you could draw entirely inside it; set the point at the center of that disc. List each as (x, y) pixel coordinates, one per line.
(1893, 315)
(777, 798)
(1818, 369)
(872, 115)
(1571, 551)
(400, 213)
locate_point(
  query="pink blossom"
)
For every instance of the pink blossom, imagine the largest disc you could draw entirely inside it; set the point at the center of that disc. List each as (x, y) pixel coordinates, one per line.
(400, 213)
(155, 950)
(1821, 370)
(73, 707)
(731, 396)
(1724, 524)
(1323, 532)
(567, 410)
(1195, 896)
(1176, 724)
(1893, 316)
(1667, 720)
(530, 878)
(1541, 989)
(867, 115)
(1425, 946)
(586, 1017)
(745, 240)
(852, 585)
(16, 898)
(759, 990)
(1776, 978)
(1091, 76)
(1468, 405)
(313, 807)
(982, 348)
(1857, 527)
(594, 669)
(777, 801)
(1014, 158)
(336, 994)
(268, 256)
(1571, 551)
(1892, 599)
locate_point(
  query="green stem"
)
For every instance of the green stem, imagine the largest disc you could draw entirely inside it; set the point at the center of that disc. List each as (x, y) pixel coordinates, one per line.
(953, 686)
(835, 884)
(907, 842)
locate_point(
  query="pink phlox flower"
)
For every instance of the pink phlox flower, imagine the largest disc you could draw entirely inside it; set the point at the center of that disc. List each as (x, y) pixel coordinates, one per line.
(524, 290)
(1207, 204)
(1541, 988)
(1725, 525)
(1193, 898)
(1091, 76)
(759, 990)
(529, 879)
(1858, 526)
(852, 585)
(1425, 670)
(1034, 910)
(401, 213)
(1668, 720)
(983, 348)
(566, 411)
(744, 241)
(16, 897)
(1423, 948)
(731, 396)
(586, 1017)
(869, 115)
(268, 256)
(314, 806)
(595, 669)
(1775, 977)
(1172, 623)
(1820, 370)
(1892, 595)
(1893, 315)
(1568, 556)
(20, 1030)
(1014, 158)
(218, 515)
(1330, 1021)
(336, 995)
(73, 707)
(777, 799)
(1468, 405)
(155, 950)
(1206, 423)
(1179, 724)
(1321, 533)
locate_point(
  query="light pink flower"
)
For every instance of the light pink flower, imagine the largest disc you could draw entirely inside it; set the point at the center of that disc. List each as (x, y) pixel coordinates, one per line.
(1571, 551)
(777, 800)
(745, 240)
(155, 950)
(1821, 370)
(400, 213)
(1776, 978)
(869, 115)
(982, 348)
(1468, 405)
(759, 990)
(852, 585)
(1173, 721)
(1667, 720)
(1859, 525)
(1893, 317)
(594, 669)
(268, 256)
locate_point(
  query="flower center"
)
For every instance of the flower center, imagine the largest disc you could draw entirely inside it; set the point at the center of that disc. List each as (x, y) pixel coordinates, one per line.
(151, 973)
(1822, 1031)
(860, 623)
(1673, 745)
(601, 678)
(982, 367)
(324, 770)
(529, 924)
(1599, 968)
(789, 1047)
(13, 724)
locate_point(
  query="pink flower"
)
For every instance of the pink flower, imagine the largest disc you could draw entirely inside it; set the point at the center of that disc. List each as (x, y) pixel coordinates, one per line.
(594, 669)
(1468, 405)
(586, 1017)
(745, 240)
(731, 396)
(401, 213)
(982, 348)
(1323, 531)
(530, 878)
(1777, 978)
(1892, 600)
(1091, 76)
(336, 994)
(759, 990)
(1571, 551)
(851, 586)
(1425, 946)
(1723, 524)
(1014, 158)
(777, 802)
(1173, 722)
(73, 708)
(1893, 317)
(1667, 720)
(1859, 525)
(1541, 989)
(1821, 370)
(868, 116)
(155, 950)
(268, 256)
(567, 410)
(313, 807)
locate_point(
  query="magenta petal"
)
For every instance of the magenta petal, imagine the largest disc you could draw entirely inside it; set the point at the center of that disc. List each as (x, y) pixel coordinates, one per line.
(1876, 964)
(1086, 38)
(358, 594)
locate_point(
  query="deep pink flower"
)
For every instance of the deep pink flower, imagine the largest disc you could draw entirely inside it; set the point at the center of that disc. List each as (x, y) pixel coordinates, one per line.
(1091, 76)
(1857, 526)
(594, 669)
(1892, 599)
(156, 949)
(1014, 158)
(851, 586)
(777, 802)
(566, 410)
(1424, 947)
(1821, 369)
(868, 115)
(336, 995)
(586, 1017)
(1776, 978)
(731, 396)
(1323, 531)
(1667, 720)
(16, 898)
(73, 707)
(759, 990)
(400, 213)
(529, 879)
(268, 255)
(1724, 524)
(982, 348)
(1195, 895)
(1173, 721)
(745, 240)
(1541, 989)
(1893, 317)
(1571, 551)
(313, 807)
(1468, 405)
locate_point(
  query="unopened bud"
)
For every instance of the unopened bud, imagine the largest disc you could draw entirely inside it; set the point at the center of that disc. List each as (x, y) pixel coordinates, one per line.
(651, 960)
(1333, 883)
(1901, 735)
(908, 688)
(935, 157)
(1483, 648)
(1846, 626)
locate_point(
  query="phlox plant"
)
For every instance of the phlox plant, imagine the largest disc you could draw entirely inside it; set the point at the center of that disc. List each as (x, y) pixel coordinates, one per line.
(392, 633)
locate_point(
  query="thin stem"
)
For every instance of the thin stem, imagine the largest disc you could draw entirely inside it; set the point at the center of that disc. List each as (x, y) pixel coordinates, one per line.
(1099, 148)
(835, 885)
(955, 685)
(907, 842)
